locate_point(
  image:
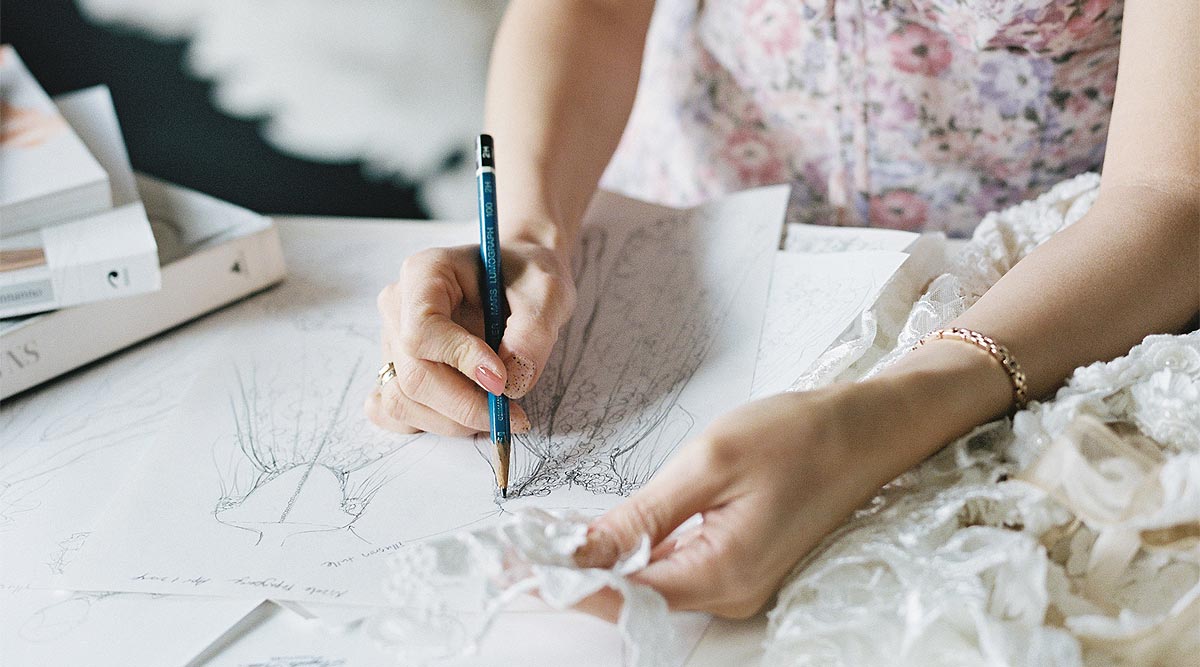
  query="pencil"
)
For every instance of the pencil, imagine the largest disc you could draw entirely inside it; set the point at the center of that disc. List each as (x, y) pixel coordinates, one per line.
(495, 308)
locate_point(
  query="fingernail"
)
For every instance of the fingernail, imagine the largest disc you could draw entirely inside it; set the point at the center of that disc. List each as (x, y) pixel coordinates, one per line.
(489, 380)
(598, 551)
(520, 376)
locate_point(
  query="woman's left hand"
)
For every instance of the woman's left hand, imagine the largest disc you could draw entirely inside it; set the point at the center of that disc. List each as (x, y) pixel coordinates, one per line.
(771, 479)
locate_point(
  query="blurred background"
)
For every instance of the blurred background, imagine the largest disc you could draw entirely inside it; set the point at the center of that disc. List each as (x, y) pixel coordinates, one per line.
(323, 107)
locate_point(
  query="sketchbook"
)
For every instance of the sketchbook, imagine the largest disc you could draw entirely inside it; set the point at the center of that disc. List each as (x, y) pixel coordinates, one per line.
(268, 482)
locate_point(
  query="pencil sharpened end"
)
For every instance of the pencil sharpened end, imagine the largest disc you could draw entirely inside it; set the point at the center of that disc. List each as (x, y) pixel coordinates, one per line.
(504, 493)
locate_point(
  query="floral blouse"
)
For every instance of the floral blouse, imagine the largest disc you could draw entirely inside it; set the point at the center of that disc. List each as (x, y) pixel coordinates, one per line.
(907, 114)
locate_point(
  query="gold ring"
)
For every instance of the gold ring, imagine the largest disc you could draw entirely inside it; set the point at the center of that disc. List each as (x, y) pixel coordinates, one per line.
(386, 374)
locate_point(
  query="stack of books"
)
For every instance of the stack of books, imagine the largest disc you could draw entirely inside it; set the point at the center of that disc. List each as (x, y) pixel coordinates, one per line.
(93, 257)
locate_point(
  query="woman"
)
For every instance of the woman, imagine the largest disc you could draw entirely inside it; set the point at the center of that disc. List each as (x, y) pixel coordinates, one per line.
(879, 115)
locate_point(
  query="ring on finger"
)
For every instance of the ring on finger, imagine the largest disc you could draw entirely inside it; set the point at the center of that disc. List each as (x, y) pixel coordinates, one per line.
(386, 374)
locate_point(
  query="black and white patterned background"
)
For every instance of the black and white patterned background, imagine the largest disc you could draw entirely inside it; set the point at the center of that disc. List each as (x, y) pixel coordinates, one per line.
(323, 107)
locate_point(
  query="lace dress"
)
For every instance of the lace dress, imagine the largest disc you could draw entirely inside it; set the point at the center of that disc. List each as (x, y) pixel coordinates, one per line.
(907, 114)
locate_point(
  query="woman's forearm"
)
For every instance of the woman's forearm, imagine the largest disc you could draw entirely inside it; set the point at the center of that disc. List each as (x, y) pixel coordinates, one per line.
(560, 87)
(1129, 268)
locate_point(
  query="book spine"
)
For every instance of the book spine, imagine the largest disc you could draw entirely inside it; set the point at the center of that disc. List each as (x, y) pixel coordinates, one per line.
(38, 350)
(102, 257)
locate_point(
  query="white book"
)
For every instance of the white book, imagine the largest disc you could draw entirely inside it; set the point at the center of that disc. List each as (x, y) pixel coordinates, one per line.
(211, 253)
(99, 256)
(214, 253)
(47, 174)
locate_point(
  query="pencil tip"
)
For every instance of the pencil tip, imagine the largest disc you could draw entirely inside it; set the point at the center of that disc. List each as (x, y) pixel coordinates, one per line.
(504, 492)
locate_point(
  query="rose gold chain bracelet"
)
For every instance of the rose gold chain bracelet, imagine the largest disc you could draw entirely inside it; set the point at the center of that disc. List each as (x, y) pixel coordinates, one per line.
(1000, 353)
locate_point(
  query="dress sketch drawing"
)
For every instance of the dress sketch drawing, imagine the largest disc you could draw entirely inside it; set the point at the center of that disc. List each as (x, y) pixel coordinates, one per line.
(606, 411)
(305, 461)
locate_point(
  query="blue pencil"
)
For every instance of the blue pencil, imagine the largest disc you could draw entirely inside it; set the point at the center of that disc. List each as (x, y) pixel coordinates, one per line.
(495, 308)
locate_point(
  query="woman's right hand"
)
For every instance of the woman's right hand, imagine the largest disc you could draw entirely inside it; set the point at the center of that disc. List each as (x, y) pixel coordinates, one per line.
(433, 335)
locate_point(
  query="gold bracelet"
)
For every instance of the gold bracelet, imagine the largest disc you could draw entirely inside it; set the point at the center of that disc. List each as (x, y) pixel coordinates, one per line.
(1000, 353)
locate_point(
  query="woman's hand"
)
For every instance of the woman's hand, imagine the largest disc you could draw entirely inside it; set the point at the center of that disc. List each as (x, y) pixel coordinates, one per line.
(771, 479)
(432, 333)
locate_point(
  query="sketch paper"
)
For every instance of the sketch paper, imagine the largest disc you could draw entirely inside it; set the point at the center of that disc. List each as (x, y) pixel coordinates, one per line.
(44, 627)
(813, 298)
(521, 638)
(65, 450)
(269, 482)
(800, 237)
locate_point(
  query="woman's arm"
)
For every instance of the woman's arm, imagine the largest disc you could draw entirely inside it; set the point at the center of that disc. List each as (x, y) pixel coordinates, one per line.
(560, 88)
(1129, 268)
(561, 84)
(775, 476)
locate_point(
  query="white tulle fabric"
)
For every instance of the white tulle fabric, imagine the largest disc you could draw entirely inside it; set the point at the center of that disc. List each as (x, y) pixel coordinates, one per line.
(1068, 536)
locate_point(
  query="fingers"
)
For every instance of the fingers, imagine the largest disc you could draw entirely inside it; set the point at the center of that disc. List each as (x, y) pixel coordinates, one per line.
(375, 412)
(422, 306)
(390, 409)
(707, 569)
(712, 570)
(539, 309)
(681, 490)
(400, 405)
(442, 389)
(604, 604)
(525, 349)
(431, 327)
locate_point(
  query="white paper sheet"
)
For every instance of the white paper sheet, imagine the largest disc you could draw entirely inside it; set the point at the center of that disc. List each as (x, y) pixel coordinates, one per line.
(286, 639)
(66, 450)
(43, 628)
(270, 483)
(825, 239)
(813, 298)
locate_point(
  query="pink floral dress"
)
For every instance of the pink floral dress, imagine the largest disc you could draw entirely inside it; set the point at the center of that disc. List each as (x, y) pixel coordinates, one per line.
(908, 114)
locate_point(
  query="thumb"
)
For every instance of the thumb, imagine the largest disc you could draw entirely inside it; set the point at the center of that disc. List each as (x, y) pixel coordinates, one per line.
(525, 349)
(655, 511)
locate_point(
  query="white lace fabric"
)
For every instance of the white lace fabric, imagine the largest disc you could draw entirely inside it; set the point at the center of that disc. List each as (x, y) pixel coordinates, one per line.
(447, 590)
(1069, 536)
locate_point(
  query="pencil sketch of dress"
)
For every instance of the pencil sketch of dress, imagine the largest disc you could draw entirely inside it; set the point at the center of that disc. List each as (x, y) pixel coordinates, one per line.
(304, 460)
(606, 411)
